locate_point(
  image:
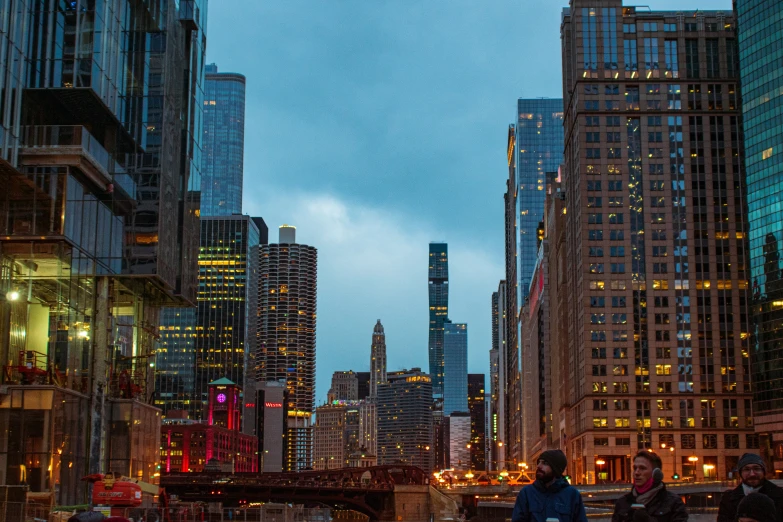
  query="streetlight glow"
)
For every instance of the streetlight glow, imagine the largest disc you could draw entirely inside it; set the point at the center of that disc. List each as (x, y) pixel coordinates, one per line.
(12, 295)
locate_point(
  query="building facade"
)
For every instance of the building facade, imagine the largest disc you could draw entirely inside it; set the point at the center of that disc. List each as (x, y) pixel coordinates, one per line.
(460, 447)
(337, 435)
(92, 165)
(657, 255)
(503, 413)
(405, 419)
(377, 359)
(761, 99)
(477, 405)
(286, 335)
(538, 150)
(455, 368)
(345, 386)
(222, 165)
(438, 289)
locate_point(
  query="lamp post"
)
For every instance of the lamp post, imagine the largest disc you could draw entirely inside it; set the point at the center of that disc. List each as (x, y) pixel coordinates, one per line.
(600, 463)
(693, 460)
(673, 451)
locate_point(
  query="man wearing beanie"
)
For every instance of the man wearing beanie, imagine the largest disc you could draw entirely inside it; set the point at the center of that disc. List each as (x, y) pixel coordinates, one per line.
(550, 496)
(752, 471)
(756, 507)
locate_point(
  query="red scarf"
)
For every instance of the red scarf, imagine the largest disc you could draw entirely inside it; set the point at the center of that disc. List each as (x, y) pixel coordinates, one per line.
(641, 490)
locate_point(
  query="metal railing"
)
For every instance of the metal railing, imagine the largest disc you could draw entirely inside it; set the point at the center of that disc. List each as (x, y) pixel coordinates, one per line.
(56, 136)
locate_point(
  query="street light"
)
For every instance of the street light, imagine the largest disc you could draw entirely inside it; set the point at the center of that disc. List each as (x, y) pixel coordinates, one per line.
(693, 460)
(12, 296)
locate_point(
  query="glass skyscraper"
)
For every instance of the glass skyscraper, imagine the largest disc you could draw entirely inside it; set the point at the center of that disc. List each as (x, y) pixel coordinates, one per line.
(224, 143)
(539, 149)
(760, 25)
(455, 368)
(439, 311)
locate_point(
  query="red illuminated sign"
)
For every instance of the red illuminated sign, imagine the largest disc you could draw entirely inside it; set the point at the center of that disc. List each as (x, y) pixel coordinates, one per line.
(250, 405)
(273, 404)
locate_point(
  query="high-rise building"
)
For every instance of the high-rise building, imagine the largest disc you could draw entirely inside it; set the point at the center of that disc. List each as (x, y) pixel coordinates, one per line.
(657, 277)
(224, 143)
(757, 20)
(377, 359)
(439, 311)
(272, 422)
(364, 385)
(286, 335)
(337, 434)
(213, 341)
(345, 386)
(92, 168)
(405, 419)
(478, 420)
(510, 351)
(503, 413)
(455, 370)
(538, 150)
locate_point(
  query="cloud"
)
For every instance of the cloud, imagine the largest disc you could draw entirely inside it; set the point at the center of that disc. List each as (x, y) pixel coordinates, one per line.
(372, 264)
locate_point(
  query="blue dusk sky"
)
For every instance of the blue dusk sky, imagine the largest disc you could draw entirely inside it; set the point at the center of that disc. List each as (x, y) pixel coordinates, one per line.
(377, 126)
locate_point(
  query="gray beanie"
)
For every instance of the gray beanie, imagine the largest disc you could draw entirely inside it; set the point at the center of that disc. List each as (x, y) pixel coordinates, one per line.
(750, 458)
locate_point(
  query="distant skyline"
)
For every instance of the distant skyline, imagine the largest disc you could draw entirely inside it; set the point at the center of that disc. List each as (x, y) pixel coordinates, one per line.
(377, 127)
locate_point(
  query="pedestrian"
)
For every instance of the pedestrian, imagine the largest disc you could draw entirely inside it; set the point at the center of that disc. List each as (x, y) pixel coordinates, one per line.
(756, 507)
(649, 499)
(753, 473)
(550, 496)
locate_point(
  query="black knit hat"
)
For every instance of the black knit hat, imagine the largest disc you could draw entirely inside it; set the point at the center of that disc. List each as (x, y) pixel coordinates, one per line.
(556, 460)
(750, 458)
(757, 506)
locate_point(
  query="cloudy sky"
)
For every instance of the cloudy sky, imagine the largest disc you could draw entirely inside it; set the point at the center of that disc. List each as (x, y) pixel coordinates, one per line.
(377, 126)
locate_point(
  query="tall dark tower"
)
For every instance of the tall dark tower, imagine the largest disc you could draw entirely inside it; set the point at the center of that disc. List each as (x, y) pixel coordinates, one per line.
(286, 335)
(439, 311)
(377, 359)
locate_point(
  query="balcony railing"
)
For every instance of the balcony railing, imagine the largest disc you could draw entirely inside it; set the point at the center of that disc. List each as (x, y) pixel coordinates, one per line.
(74, 136)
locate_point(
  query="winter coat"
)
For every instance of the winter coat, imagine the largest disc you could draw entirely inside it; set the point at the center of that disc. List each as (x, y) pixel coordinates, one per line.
(664, 507)
(730, 500)
(536, 503)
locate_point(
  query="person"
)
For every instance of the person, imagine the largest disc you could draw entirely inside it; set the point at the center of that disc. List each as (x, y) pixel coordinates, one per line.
(550, 496)
(756, 507)
(650, 492)
(753, 473)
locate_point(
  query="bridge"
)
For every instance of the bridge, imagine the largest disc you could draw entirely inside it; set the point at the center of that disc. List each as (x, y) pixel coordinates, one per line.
(383, 493)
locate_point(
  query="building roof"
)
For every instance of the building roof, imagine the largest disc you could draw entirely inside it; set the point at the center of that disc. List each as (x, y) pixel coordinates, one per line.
(223, 382)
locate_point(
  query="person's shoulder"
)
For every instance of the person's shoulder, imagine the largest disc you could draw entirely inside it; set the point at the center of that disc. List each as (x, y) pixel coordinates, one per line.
(771, 489)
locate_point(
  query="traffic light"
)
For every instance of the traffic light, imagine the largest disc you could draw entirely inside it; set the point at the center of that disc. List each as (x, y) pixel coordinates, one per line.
(676, 476)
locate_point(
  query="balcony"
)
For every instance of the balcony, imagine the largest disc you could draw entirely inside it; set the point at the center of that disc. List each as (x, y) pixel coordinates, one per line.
(72, 145)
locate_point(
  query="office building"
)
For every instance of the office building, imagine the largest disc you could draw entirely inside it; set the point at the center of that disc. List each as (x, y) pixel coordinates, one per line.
(368, 428)
(538, 150)
(503, 412)
(286, 335)
(458, 437)
(364, 385)
(455, 371)
(758, 26)
(345, 386)
(91, 169)
(223, 143)
(377, 359)
(657, 255)
(337, 434)
(439, 311)
(478, 420)
(405, 419)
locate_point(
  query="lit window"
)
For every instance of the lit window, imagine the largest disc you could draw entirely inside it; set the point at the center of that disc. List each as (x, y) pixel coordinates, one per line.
(767, 153)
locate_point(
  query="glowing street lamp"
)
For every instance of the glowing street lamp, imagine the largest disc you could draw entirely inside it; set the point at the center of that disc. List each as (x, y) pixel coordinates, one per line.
(600, 462)
(12, 296)
(693, 459)
(504, 473)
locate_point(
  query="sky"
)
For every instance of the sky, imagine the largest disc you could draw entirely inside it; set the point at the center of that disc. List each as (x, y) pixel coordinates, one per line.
(377, 126)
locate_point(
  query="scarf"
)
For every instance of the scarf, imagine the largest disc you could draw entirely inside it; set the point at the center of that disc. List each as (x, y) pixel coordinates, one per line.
(648, 495)
(748, 490)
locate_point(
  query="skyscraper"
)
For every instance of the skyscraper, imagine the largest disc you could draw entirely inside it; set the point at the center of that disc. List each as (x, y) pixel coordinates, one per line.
(224, 143)
(91, 167)
(657, 281)
(478, 420)
(455, 373)
(439, 311)
(503, 412)
(405, 419)
(757, 20)
(539, 149)
(286, 334)
(345, 386)
(377, 359)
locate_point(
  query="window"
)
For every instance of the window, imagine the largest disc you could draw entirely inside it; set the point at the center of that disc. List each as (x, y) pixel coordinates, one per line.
(596, 252)
(596, 285)
(593, 153)
(657, 218)
(660, 284)
(594, 202)
(615, 186)
(616, 201)
(714, 97)
(691, 27)
(619, 285)
(618, 268)
(598, 336)
(601, 405)
(614, 153)
(622, 422)
(663, 369)
(673, 97)
(619, 318)
(591, 89)
(595, 219)
(657, 186)
(632, 98)
(591, 105)
(617, 251)
(631, 59)
(592, 121)
(612, 121)
(596, 268)
(713, 58)
(622, 441)
(612, 89)
(710, 441)
(694, 96)
(620, 387)
(613, 137)
(594, 186)
(662, 335)
(595, 235)
(617, 235)
(597, 302)
(672, 61)
(731, 58)
(691, 57)
(660, 268)
(662, 319)
(593, 137)
(654, 121)
(658, 234)
(688, 441)
(620, 353)
(600, 422)
(650, 26)
(601, 441)
(598, 319)
(661, 301)
(651, 56)
(629, 28)
(618, 302)
(670, 28)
